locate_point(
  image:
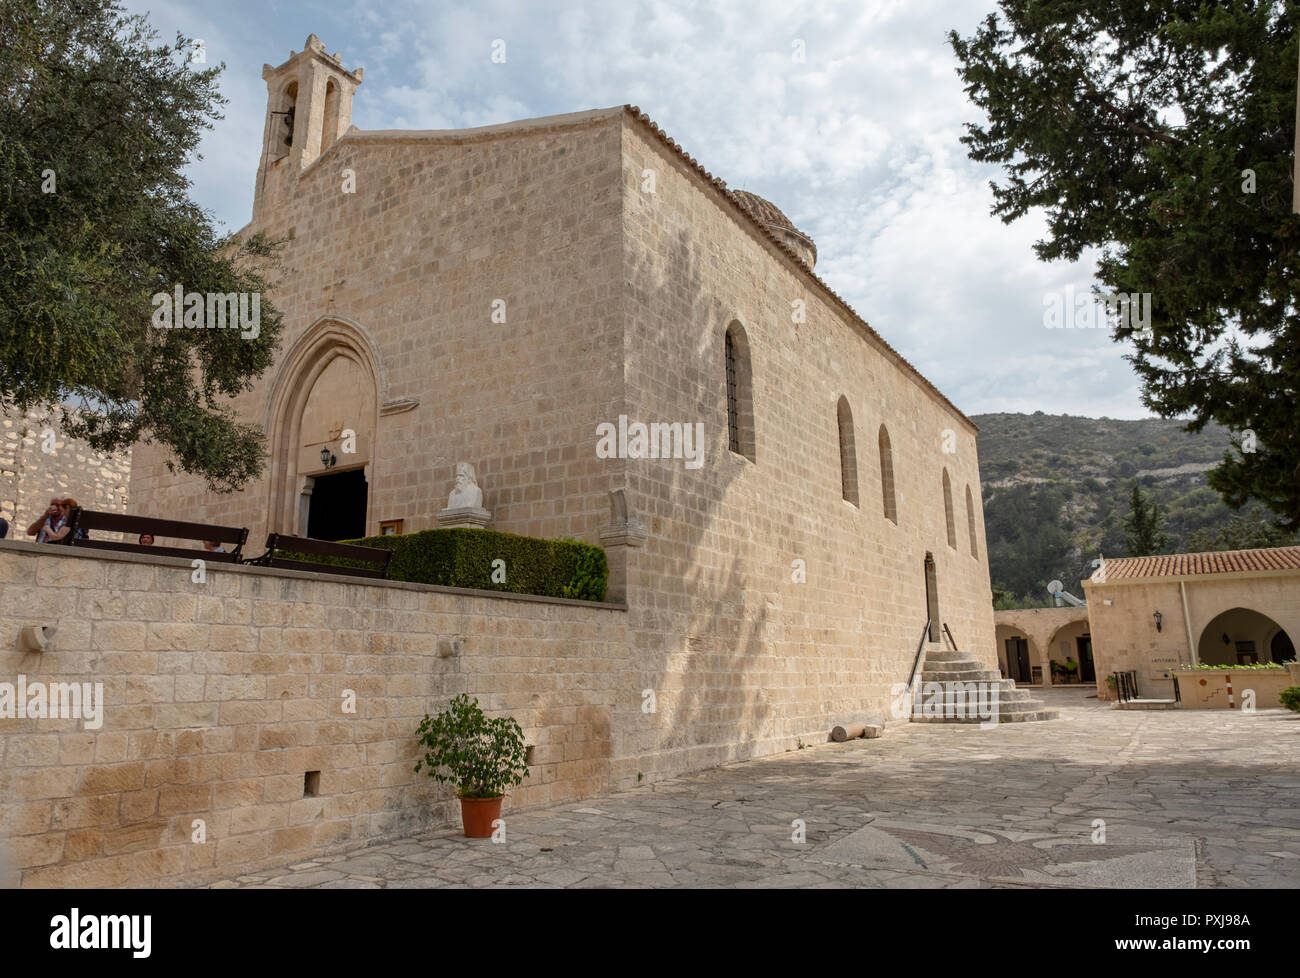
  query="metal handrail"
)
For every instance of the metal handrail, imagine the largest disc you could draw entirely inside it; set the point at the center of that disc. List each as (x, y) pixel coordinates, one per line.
(916, 661)
(952, 641)
(1126, 685)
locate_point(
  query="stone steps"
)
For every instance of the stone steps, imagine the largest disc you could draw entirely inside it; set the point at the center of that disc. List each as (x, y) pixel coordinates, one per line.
(947, 666)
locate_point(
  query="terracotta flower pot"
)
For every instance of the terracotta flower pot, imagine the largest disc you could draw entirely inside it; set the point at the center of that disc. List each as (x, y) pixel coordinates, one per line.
(478, 814)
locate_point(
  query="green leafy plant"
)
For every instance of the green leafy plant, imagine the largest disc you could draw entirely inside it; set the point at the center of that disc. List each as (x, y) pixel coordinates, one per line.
(590, 573)
(1290, 698)
(1112, 681)
(481, 757)
(1256, 665)
(98, 128)
(1181, 107)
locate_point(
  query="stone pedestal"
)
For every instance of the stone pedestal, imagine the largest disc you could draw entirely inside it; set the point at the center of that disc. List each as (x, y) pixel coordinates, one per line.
(475, 517)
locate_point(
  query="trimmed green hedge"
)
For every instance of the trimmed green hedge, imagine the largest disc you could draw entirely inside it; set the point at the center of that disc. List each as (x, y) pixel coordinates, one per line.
(1255, 665)
(464, 558)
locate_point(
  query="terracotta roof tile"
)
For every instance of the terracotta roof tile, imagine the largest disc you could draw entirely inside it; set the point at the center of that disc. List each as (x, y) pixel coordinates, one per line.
(1191, 565)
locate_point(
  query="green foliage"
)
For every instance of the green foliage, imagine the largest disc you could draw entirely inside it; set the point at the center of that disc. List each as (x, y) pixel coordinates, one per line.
(1253, 665)
(464, 557)
(590, 574)
(1143, 527)
(1131, 126)
(1241, 532)
(1290, 698)
(1045, 520)
(1003, 597)
(89, 95)
(481, 757)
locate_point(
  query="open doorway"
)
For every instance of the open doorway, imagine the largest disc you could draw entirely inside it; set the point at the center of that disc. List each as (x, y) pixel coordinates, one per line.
(1087, 671)
(932, 599)
(1018, 666)
(1282, 649)
(338, 506)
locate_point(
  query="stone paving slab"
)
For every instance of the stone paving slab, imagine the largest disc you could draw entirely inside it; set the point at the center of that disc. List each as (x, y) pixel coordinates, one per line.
(1188, 798)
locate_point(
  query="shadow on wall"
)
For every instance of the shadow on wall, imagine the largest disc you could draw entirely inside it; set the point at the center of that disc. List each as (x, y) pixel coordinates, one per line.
(706, 650)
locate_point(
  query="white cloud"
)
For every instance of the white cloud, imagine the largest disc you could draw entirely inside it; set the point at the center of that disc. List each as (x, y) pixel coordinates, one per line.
(858, 144)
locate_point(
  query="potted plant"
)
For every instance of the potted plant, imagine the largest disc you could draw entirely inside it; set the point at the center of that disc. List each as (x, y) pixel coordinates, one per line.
(481, 757)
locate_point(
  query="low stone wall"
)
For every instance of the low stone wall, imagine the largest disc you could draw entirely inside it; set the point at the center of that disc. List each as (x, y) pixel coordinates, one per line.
(1204, 689)
(219, 697)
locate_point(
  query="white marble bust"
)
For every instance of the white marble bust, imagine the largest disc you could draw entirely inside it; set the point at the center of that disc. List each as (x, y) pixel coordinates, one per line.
(465, 504)
(467, 494)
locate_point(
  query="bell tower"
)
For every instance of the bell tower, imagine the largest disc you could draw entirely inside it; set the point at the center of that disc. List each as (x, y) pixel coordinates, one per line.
(308, 107)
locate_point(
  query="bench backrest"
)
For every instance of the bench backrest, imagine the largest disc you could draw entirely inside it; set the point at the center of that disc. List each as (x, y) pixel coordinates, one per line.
(86, 519)
(283, 543)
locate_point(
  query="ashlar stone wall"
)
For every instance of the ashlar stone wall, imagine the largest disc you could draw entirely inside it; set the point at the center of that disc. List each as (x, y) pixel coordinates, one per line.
(220, 697)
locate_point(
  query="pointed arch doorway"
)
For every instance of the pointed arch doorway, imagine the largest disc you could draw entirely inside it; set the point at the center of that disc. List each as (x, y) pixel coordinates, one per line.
(324, 413)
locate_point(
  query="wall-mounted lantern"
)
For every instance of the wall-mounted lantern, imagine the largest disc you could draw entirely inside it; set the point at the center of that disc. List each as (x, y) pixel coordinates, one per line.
(327, 458)
(1159, 620)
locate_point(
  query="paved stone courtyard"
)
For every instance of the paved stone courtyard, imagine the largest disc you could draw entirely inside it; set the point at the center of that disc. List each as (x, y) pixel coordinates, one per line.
(1189, 798)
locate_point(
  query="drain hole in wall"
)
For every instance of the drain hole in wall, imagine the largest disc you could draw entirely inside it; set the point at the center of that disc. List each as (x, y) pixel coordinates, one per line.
(311, 784)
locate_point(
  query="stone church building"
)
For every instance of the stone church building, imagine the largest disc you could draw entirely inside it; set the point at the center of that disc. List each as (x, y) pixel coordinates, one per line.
(495, 295)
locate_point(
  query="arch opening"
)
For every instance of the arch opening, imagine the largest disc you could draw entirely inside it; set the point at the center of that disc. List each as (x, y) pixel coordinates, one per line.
(848, 453)
(330, 128)
(324, 417)
(970, 524)
(740, 392)
(1243, 636)
(887, 475)
(949, 521)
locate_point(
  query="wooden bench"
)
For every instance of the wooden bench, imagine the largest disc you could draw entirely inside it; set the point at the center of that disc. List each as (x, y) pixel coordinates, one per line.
(85, 519)
(278, 543)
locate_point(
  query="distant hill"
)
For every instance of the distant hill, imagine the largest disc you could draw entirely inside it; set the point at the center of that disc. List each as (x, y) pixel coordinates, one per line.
(1056, 490)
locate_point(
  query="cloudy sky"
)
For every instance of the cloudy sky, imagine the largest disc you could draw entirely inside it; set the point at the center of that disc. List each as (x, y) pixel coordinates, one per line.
(858, 143)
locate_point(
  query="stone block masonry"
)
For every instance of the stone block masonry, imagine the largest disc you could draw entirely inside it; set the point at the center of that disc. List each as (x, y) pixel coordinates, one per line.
(30, 474)
(219, 698)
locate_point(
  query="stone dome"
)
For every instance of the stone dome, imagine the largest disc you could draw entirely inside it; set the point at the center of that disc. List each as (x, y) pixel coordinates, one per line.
(782, 228)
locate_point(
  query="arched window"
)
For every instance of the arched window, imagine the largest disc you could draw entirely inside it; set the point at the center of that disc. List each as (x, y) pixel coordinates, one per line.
(947, 510)
(284, 122)
(970, 523)
(330, 129)
(887, 476)
(848, 454)
(740, 393)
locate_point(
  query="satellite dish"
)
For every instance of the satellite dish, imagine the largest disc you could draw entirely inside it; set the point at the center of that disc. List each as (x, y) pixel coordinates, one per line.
(1054, 587)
